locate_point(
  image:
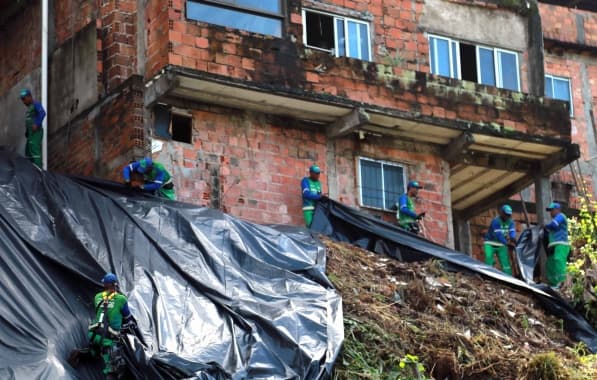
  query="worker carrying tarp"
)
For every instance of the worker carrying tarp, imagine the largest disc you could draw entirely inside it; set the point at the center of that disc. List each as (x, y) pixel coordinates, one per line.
(500, 235)
(156, 178)
(111, 315)
(406, 215)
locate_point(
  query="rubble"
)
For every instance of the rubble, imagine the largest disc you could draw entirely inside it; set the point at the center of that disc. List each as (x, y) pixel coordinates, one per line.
(458, 325)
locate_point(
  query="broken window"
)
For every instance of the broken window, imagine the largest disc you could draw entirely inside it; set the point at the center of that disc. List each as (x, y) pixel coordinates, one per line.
(339, 35)
(173, 126)
(481, 64)
(265, 17)
(559, 88)
(381, 183)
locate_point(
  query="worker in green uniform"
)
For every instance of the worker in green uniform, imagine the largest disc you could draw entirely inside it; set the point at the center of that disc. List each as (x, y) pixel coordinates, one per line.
(111, 314)
(311, 189)
(558, 247)
(407, 217)
(156, 178)
(34, 116)
(500, 235)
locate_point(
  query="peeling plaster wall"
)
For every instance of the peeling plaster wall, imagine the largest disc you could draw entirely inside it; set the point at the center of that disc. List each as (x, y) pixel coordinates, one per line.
(489, 26)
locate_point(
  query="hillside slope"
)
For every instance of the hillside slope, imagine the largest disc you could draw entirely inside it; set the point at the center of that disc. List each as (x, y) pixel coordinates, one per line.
(457, 325)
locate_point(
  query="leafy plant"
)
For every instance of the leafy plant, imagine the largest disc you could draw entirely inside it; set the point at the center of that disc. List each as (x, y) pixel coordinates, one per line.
(582, 269)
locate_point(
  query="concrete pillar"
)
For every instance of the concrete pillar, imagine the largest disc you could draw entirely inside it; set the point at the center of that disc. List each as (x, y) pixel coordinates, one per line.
(542, 198)
(462, 236)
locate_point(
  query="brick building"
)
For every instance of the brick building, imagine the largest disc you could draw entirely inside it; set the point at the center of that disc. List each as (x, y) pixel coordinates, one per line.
(239, 98)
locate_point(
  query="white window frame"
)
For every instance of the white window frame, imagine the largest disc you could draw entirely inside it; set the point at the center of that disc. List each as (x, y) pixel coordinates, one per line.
(552, 77)
(456, 68)
(345, 21)
(499, 80)
(497, 66)
(383, 192)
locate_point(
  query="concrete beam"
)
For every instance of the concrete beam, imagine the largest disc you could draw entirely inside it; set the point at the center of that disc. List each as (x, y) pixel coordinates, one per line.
(498, 162)
(559, 159)
(347, 123)
(493, 199)
(158, 87)
(455, 149)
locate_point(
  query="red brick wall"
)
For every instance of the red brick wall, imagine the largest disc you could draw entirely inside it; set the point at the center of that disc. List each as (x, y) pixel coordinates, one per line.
(102, 141)
(20, 47)
(119, 41)
(282, 62)
(424, 166)
(70, 16)
(247, 164)
(250, 165)
(560, 23)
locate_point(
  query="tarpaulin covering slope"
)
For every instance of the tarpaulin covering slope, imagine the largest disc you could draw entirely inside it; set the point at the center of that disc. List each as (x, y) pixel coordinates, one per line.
(215, 297)
(350, 225)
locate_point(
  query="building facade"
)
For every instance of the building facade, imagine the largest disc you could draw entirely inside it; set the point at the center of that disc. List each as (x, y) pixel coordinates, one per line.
(238, 98)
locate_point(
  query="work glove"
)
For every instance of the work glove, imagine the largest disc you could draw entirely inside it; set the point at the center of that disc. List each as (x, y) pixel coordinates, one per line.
(421, 216)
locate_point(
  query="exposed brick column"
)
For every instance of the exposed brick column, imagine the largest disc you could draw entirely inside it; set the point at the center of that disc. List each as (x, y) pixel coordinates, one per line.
(119, 41)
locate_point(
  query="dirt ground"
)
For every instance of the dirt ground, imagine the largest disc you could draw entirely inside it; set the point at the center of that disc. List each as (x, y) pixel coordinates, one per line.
(458, 325)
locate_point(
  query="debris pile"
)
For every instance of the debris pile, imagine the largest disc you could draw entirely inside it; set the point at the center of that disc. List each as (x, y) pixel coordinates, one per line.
(458, 325)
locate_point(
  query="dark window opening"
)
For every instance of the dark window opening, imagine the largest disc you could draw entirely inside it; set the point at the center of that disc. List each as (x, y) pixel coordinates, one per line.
(182, 128)
(172, 126)
(468, 62)
(320, 30)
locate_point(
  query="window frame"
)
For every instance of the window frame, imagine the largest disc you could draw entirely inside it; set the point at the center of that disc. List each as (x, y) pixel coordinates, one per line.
(383, 192)
(345, 21)
(570, 102)
(456, 67)
(243, 9)
(453, 69)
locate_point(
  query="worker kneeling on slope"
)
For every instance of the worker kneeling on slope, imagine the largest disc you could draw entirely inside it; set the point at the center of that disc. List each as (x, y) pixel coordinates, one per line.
(156, 179)
(111, 315)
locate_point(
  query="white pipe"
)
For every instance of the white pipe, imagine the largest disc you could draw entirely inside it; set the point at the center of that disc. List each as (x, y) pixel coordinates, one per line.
(44, 79)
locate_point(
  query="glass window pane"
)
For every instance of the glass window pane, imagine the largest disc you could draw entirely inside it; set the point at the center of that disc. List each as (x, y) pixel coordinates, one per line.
(364, 38)
(548, 87)
(320, 30)
(561, 89)
(265, 5)
(341, 37)
(454, 70)
(393, 184)
(509, 70)
(353, 40)
(440, 56)
(371, 186)
(486, 65)
(234, 19)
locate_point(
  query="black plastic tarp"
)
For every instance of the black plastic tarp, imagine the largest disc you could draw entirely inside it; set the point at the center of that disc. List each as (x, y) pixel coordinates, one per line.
(350, 225)
(215, 297)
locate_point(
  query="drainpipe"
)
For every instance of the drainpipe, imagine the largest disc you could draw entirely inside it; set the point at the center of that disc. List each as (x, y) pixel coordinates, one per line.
(44, 79)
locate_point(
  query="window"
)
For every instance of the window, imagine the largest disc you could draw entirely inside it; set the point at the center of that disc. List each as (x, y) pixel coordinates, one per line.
(559, 88)
(338, 35)
(173, 126)
(258, 16)
(381, 183)
(481, 64)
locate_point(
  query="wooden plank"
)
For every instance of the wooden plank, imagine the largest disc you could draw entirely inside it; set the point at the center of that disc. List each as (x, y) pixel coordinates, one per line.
(489, 195)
